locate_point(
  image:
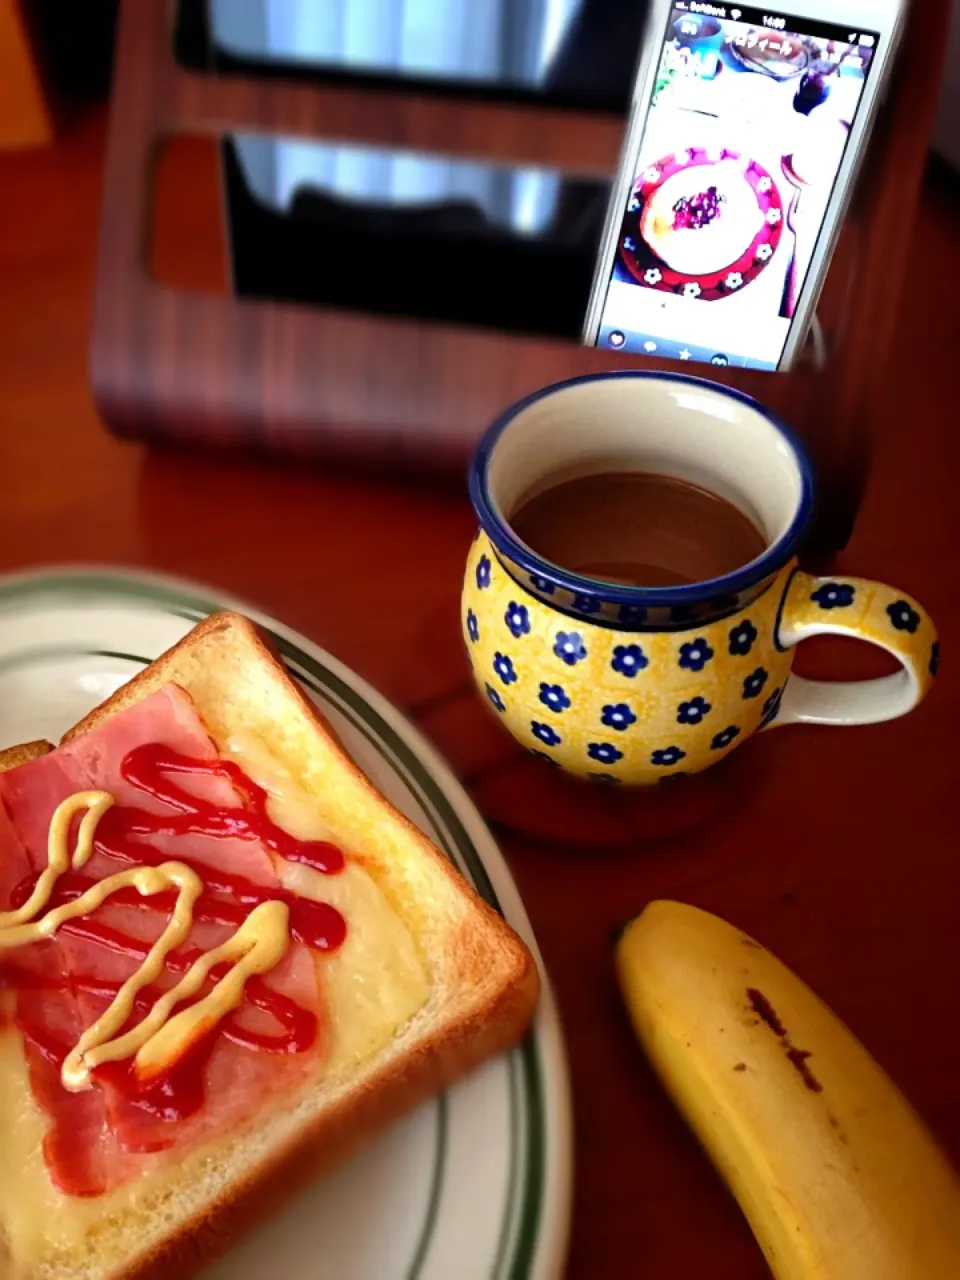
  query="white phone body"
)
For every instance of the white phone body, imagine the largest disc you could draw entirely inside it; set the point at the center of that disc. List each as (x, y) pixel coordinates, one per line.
(717, 115)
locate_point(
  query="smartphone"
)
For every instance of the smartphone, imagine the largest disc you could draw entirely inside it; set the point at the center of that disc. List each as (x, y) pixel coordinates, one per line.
(746, 131)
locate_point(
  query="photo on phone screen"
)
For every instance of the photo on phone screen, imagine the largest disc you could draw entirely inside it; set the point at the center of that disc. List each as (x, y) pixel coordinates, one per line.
(746, 133)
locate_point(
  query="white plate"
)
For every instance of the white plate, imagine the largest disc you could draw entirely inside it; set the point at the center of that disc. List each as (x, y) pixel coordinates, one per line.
(476, 1184)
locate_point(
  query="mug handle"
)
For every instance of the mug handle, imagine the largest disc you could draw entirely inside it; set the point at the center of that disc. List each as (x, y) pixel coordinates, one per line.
(867, 611)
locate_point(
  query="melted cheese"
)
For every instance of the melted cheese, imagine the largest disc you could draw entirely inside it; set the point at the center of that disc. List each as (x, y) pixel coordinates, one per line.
(289, 806)
(373, 986)
(38, 1224)
(27, 1198)
(377, 980)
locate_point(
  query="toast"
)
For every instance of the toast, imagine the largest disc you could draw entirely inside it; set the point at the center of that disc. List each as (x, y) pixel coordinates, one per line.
(429, 982)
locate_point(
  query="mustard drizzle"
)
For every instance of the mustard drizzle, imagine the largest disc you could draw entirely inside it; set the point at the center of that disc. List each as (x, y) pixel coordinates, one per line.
(162, 1037)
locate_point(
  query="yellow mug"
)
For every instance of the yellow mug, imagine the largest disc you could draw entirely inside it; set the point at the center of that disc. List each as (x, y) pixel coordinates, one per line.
(639, 686)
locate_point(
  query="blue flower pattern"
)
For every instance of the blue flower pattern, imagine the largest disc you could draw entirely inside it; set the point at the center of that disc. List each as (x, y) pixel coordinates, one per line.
(903, 617)
(504, 669)
(628, 660)
(570, 647)
(695, 655)
(835, 595)
(549, 737)
(517, 619)
(693, 712)
(632, 615)
(754, 685)
(495, 699)
(554, 698)
(542, 585)
(587, 604)
(742, 639)
(618, 716)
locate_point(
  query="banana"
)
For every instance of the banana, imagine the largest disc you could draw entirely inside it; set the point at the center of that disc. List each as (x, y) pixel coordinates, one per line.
(833, 1169)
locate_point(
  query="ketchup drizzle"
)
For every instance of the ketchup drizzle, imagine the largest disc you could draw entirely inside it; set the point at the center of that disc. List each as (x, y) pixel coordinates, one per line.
(148, 768)
(122, 835)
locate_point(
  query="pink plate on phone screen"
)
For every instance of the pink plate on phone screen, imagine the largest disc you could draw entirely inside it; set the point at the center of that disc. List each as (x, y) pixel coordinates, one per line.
(702, 223)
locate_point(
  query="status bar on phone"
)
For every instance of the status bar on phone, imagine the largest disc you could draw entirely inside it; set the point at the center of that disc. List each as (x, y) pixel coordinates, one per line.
(771, 20)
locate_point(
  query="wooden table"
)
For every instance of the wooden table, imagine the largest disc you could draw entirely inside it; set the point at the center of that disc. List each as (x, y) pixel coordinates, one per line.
(836, 848)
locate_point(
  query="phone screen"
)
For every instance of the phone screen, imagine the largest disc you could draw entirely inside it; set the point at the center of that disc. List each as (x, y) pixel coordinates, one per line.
(747, 130)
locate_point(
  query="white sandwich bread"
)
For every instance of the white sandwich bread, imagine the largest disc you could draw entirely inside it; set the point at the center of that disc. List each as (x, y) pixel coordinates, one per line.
(225, 961)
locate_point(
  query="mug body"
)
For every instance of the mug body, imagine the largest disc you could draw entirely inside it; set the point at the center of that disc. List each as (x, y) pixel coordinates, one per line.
(625, 684)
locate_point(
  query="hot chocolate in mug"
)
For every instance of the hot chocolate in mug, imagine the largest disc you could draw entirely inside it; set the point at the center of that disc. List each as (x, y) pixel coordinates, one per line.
(639, 685)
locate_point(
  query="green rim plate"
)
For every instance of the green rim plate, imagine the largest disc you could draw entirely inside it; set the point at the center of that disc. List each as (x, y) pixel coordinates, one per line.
(117, 622)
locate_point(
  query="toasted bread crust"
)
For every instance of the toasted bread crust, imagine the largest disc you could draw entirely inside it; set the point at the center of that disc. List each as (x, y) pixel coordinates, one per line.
(488, 969)
(439, 1061)
(13, 757)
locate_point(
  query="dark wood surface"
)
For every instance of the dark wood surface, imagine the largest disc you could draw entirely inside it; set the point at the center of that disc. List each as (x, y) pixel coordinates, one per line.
(27, 114)
(398, 395)
(836, 848)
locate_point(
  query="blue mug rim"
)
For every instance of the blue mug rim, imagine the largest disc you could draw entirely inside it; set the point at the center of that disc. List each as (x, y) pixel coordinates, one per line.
(517, 552)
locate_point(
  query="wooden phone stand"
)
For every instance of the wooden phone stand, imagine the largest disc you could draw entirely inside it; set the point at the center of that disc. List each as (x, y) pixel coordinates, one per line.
(409, 396)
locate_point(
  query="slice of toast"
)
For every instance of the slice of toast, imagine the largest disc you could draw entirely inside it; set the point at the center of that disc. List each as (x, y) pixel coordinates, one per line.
(481, 989)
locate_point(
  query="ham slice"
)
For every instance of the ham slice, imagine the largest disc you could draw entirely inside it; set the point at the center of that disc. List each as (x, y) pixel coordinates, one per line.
(14, 861)
(237, 1078)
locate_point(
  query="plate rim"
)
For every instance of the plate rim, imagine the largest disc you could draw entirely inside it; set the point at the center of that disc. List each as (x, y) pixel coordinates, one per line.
(539, 1248)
